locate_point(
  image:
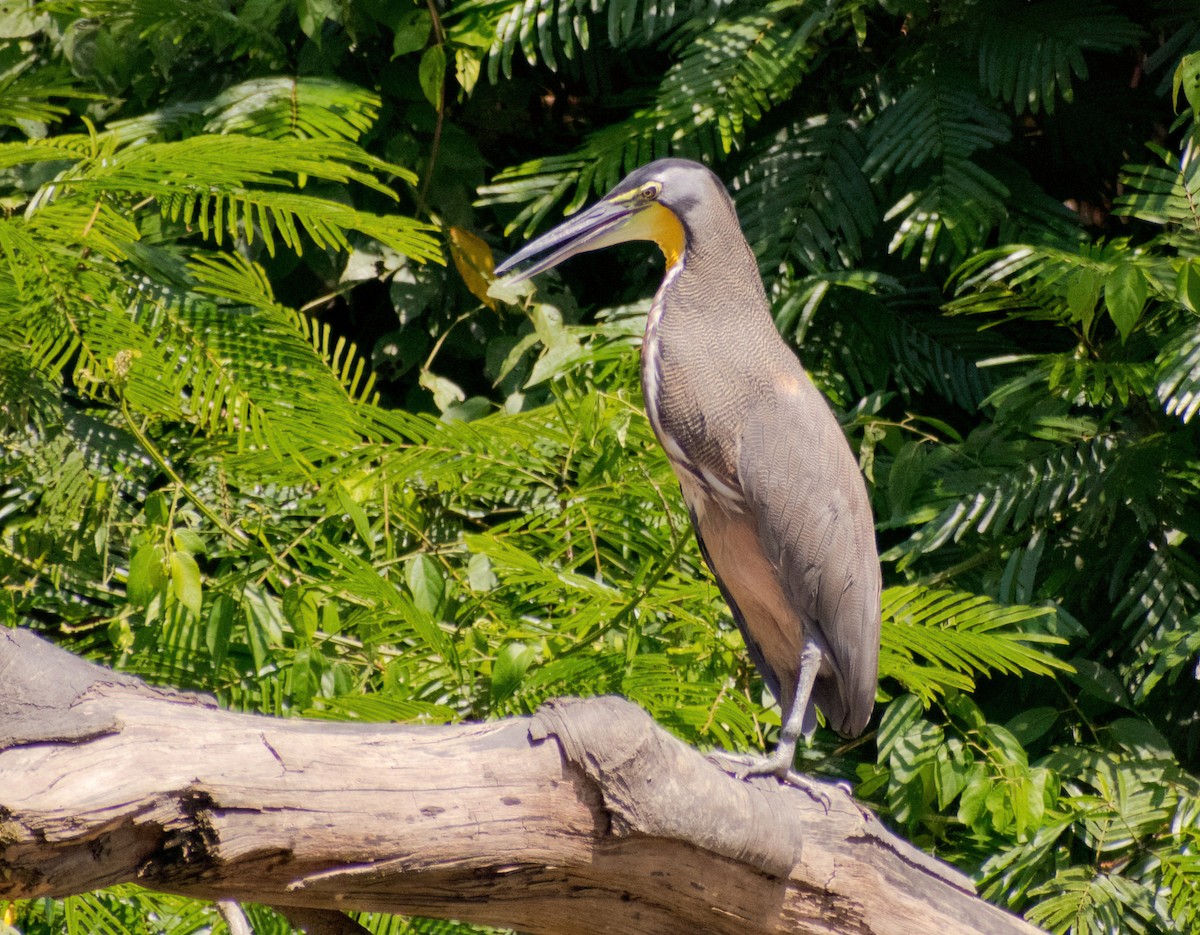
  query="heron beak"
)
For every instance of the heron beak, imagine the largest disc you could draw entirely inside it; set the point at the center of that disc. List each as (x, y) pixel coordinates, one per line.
(606, 223)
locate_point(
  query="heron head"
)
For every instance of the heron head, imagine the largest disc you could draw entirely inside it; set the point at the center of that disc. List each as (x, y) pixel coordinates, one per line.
(651, 203)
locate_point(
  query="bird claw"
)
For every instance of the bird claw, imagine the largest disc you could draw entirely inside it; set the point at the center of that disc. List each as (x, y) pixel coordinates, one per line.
(743, 766)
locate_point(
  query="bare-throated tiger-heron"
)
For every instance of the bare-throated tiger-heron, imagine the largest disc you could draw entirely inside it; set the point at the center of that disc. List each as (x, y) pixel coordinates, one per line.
(775, 494)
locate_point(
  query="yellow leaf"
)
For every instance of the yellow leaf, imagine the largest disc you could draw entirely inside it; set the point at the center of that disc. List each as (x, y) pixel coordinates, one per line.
(475, 263)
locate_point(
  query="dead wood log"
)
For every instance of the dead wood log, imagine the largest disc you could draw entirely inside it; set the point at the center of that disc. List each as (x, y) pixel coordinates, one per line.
(585, 818)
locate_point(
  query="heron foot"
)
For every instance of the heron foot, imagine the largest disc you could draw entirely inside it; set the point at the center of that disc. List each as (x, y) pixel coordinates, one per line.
(744, 766)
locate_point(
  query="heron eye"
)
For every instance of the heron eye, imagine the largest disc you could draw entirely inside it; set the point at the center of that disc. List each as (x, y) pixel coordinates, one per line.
(650, 191)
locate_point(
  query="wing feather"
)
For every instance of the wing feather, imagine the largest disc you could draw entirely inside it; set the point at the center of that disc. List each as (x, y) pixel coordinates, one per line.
(803, 486)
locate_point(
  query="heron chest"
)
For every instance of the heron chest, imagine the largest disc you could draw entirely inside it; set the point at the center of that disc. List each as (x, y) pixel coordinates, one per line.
(689, 408)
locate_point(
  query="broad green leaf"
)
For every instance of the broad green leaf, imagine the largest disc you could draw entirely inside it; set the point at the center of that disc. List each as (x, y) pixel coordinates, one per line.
(357, 514)
(898, 718)
(918, 747)
(1187, 286)
(314, 13)
(1097, 681)
(300, 609)
(480, 576)
(512, 662)
(1187, 80)
(973, 803)
(1032, 723)
(426, 583)
(410, 31)
(1082, 295)
(1029, 802)
(185, 581)
(146, 574)
(432, 74)
(186, 540)
(1140, 738)
(219, 628)
(951, 771)
(264, 623)
(1125, 294)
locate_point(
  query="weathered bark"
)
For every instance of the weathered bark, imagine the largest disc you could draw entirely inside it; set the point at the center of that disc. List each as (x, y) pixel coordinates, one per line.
(585, 818)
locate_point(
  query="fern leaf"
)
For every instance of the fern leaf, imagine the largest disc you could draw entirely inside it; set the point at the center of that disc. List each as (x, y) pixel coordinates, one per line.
(1157, 600)
(962, 204)
(1018, 498)
(1079, 900)
(232, 186)
(294, 108)
(305, 107)
(934, 122)
(208, 25)
(29, 96)
(1178, 376)
(1168, 193)
(805, 197)
(1029, 54)
(929, 141)
(958, 636)
(546, 30)
(723, 80)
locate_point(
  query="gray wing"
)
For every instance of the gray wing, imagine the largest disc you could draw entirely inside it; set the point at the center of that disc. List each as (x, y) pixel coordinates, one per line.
(802, 484)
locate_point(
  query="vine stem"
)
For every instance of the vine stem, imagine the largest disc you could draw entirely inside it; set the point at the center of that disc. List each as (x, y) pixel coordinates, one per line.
(160, 459)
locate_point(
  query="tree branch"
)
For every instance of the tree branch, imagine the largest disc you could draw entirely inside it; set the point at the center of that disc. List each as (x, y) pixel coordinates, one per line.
(585, 818)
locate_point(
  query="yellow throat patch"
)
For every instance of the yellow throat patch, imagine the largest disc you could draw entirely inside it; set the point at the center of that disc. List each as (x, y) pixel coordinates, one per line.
(654, 222)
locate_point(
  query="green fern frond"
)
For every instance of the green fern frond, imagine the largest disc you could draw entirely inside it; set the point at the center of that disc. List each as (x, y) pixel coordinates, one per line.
(962, 204)
(233, 186)
(343, 359)
(724, 79)
(1079, 900)
(934, 122)
(230, 186)
(1029, 53)
(45, 314)
(304, 107)
(301, 108)
(1164, 194)
(250, 372)
(119, 910)
(1046, 282)
(546, 30)
(1178, 375)
(1184, 37)
(930, 352)
(1158, 599)
(382, 708)
(61, 148)
(934, 640)
(253, 373)
(233, 277)
(1014, 500)
(30, 96)
(186, 24)
(804, 197)
(1181, 879)
(928, 142)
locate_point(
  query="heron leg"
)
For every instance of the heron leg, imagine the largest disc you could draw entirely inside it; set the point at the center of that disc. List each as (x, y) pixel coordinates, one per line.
(799, 720)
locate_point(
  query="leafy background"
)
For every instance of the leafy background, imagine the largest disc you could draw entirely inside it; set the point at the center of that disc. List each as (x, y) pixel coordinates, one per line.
(266, 435)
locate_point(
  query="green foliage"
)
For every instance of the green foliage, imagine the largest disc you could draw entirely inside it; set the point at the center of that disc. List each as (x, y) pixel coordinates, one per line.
(728, 71)
(261, 440)
(1028, 55)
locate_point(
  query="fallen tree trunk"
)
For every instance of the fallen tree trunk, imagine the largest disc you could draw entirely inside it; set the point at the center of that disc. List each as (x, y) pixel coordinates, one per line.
(585, 818)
